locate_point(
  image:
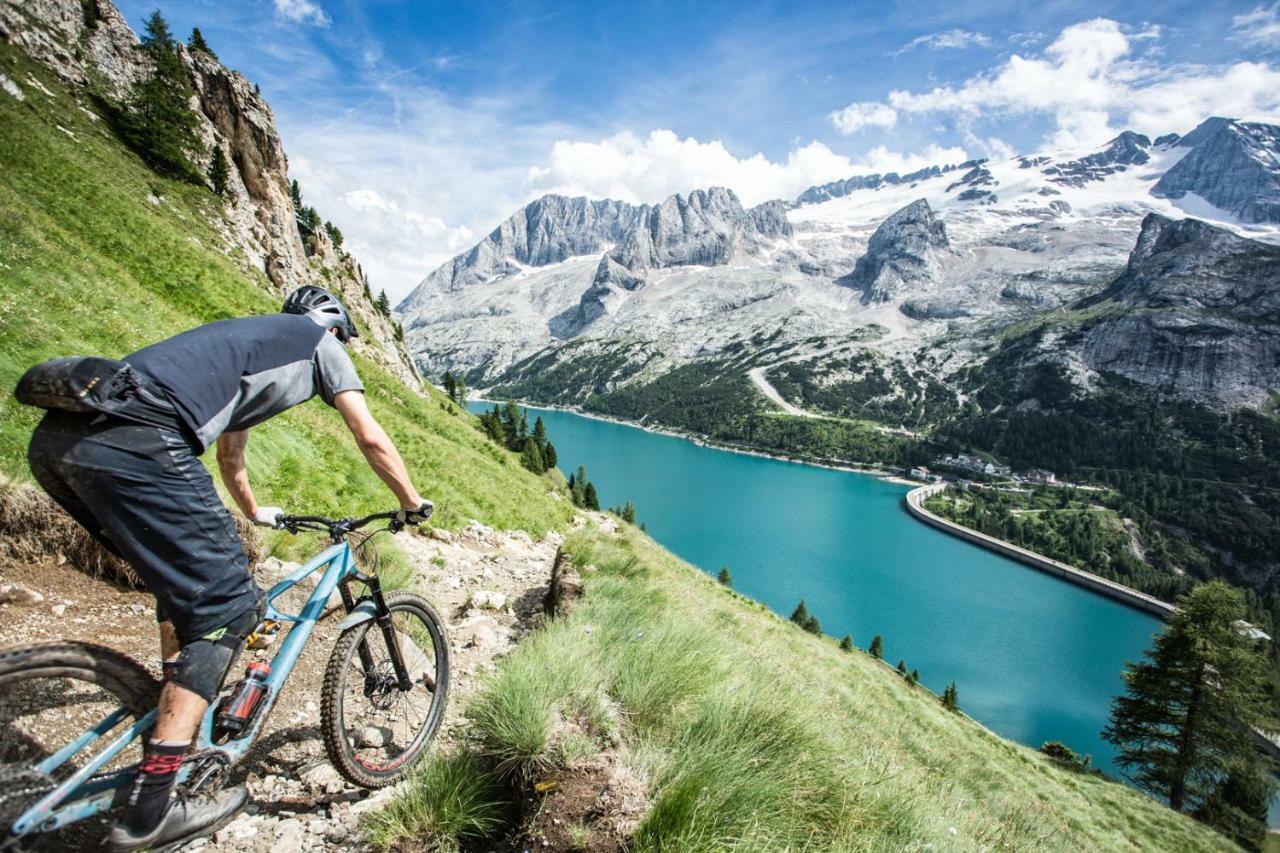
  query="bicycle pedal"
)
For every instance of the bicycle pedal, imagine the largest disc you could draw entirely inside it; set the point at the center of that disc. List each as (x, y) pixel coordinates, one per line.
(263, 636)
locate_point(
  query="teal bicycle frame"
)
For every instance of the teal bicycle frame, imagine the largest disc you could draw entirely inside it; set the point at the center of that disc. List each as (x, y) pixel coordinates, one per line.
(84, 793)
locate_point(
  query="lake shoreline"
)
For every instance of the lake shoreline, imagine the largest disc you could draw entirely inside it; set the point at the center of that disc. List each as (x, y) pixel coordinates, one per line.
(888, 474)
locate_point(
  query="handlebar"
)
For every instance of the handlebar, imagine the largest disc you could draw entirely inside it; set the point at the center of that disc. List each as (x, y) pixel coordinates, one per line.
(337, 528)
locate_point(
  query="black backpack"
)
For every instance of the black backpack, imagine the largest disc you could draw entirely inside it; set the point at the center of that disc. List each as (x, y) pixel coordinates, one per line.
(78, 383)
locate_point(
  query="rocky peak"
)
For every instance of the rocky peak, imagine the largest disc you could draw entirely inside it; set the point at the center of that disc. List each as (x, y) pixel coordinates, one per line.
(1233, 165)
(1195, 312)
(1127, 149)
(703, 228)
(546, 231)
(1190, 263)
(839, 189)
(905, 251)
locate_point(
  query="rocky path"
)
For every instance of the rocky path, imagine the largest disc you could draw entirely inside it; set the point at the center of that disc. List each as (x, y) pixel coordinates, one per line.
(487, 585)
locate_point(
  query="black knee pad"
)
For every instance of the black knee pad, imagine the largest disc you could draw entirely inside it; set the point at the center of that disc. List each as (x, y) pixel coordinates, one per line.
(203, 664)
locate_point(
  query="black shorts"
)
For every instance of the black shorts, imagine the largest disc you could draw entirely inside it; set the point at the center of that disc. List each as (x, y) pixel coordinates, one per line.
(142, 492)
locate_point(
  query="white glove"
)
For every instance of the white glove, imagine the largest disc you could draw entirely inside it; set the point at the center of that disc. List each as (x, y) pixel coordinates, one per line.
(266, 516)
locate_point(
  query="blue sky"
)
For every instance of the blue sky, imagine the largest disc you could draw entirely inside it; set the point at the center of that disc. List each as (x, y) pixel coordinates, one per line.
(418, 126)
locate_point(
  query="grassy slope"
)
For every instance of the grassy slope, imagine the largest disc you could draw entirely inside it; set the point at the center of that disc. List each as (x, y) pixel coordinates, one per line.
(89, 265)
(754, 735)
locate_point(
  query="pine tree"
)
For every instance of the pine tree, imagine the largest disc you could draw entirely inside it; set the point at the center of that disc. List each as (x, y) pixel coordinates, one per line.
(1185, 723)
(589, 498)
(806, 620)
(578, 487)
(196, 42)
(876, 649)
(902, 668)
(951, 697)
(914, 678)
(158, 121)
(219, 171)
(511, 426)
(724, 577)
(450, 386)
(846, 645)
(531, 457)
(549, 456)
(335, 235)
(522, 431)
(295, 196)
(539, 431)
(383, 304)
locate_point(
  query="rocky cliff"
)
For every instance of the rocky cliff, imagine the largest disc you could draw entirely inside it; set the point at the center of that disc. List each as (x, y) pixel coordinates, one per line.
(1196, 312)
(90, 45)
(905, 253)
(704, 228)
(547, 231)
(1233, 165)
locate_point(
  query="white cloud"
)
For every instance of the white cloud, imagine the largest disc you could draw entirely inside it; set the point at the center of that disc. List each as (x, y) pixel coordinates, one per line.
(410, 176)
(1259, 28)
(635, 169)
(862, 114)
(302, 12)
(1091, 86)
(947, 40)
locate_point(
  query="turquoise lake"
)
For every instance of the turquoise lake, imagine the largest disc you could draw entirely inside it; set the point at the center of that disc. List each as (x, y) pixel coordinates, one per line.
(1034, 658)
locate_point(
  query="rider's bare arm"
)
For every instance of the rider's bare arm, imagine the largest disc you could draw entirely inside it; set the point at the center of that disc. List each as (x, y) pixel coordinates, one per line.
(377, 448)
(234, 476)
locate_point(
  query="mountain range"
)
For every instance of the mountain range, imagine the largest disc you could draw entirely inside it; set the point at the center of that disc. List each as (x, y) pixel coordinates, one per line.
(924, 266)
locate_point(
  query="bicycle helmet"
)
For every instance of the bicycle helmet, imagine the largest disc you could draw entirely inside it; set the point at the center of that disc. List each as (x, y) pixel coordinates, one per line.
(322, 307)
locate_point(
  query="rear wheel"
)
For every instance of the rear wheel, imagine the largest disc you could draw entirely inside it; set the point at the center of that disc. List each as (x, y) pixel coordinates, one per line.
(51, 693)
(374, 732)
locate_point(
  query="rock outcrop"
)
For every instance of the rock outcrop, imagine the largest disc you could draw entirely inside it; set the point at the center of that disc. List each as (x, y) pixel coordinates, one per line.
(1196, 312)
(1127, 149)
(1233, 165)
(547, 231)
(91, 47)
(839, 189)
(704, 228)
(904, 253)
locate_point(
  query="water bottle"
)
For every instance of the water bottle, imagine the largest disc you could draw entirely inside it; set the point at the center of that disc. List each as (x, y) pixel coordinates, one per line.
(238, 711)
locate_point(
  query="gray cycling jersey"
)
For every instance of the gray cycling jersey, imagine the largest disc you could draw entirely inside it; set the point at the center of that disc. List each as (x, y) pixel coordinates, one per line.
(234, 374)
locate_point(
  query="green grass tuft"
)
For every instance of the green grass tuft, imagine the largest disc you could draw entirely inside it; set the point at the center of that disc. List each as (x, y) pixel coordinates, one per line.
(451, 801)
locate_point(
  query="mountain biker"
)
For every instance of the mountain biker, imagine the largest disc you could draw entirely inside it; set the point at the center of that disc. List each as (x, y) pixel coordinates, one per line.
(132, 479)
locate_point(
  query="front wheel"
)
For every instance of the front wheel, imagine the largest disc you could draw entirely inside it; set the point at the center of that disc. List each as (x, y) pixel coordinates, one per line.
(374, 732)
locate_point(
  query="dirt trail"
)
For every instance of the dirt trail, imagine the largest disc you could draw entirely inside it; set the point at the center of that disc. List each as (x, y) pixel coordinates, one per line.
(299, 801)
(766, 388)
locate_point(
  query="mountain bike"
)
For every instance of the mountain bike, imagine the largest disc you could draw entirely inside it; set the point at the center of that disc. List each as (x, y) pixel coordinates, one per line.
(73, 716)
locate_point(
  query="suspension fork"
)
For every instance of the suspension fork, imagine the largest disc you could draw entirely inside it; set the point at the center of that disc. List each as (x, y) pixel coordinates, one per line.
(383, 618)
(362, 648)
